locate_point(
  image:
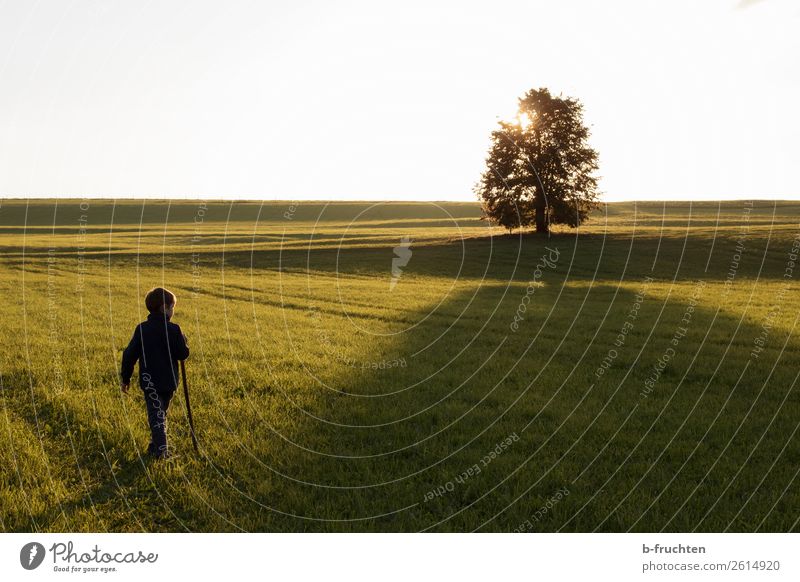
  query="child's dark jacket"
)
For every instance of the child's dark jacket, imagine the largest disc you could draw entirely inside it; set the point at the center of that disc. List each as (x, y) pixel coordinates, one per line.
(157, 344)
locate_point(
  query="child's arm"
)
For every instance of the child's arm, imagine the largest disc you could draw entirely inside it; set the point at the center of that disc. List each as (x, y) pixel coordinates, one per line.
(129, 357)
(180, 349)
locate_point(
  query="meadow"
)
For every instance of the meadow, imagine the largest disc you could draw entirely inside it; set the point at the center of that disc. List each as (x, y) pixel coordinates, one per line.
(636, 374)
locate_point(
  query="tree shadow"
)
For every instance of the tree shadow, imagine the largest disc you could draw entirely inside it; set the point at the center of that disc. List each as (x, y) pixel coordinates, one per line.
(367, 444)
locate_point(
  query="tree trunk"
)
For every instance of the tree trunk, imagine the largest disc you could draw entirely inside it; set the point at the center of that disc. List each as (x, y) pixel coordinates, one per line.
(542, 222)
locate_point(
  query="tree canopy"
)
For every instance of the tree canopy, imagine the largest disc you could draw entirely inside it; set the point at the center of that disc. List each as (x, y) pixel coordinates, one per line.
(540, 168)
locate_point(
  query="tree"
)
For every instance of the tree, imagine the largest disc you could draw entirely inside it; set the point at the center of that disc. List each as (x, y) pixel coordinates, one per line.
(540, 167)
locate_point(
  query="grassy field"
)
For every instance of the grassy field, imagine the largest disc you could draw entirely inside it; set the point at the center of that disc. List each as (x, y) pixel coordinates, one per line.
(639, 374)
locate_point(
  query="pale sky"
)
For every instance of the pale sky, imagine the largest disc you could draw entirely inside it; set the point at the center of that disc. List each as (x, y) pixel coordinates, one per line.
(390, 100)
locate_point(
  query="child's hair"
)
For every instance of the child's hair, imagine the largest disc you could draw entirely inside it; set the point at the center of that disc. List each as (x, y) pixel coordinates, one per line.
(157, 297)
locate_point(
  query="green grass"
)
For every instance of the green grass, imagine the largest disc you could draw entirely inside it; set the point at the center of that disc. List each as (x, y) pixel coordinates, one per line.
(324, 401)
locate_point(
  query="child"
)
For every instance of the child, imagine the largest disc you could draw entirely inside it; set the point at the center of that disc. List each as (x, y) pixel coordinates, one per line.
(157, 344)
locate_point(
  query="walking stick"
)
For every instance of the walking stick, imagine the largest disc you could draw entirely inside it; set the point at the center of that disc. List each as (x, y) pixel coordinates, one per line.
(188, 406)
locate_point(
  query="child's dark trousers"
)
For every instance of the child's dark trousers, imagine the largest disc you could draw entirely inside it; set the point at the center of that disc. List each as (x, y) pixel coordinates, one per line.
(157, 405)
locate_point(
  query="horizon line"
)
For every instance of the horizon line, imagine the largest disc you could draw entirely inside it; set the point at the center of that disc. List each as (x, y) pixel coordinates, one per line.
(363, 200)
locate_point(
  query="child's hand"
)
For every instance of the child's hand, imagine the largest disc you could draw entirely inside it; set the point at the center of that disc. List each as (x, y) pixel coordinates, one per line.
(124, 386)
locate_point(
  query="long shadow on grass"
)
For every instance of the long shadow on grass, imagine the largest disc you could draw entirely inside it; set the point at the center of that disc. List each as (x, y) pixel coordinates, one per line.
(466, 257)
(404, 434)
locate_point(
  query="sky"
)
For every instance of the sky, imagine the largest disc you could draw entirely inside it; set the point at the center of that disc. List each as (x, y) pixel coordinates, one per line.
(390, 100)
